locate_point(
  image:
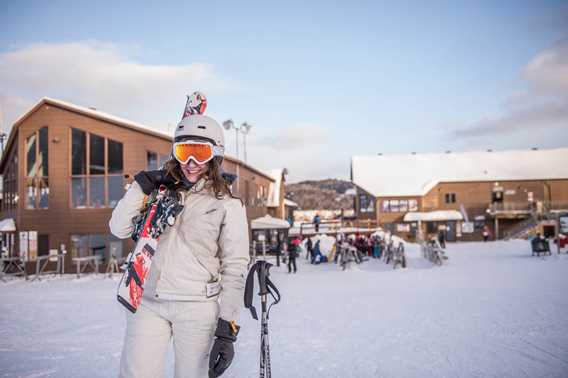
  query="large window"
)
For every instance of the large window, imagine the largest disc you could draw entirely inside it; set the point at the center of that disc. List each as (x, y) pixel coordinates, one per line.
(96, 170)
(10, 183)
(399, 206)
(37, 184)
(102, 245)
(366, 203)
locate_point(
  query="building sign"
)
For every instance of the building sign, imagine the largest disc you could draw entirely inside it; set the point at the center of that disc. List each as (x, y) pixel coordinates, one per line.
(467, 227)
(23, 245)
(53, 255)
(563, 223)
(32, 245)
(402, 227)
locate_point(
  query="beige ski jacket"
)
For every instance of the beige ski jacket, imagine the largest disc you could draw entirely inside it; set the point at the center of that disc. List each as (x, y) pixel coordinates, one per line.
(203, 256)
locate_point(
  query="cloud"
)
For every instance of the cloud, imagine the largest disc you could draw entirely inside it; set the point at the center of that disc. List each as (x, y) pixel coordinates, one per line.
(11, 107)
(543, 105)
(294, 137)
(306, 150)
(92, 73)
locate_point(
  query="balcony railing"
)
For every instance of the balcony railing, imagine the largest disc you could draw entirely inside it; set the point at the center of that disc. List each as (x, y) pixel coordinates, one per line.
(537, 209)
(511, 207)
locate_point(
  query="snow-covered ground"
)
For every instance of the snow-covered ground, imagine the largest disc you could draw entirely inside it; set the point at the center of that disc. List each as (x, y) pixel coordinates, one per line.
(491, 311)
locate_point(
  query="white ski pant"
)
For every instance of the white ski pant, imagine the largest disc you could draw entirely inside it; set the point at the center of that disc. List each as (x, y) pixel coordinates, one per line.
(149, 331)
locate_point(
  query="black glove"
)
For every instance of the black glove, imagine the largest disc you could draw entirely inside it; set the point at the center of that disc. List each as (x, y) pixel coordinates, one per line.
(223, 351)
(150, 180)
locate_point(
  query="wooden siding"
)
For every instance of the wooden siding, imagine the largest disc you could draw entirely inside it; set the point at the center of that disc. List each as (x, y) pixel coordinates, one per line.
(61, 221)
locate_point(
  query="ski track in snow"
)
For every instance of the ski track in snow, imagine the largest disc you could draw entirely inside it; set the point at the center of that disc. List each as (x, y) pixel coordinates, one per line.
(491, 311)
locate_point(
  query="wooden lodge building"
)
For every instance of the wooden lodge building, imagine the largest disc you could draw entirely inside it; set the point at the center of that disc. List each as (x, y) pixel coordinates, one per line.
(461, 193)
(65, 167)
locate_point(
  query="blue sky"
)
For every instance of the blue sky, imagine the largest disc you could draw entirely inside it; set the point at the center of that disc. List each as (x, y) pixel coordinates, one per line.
(320, 82)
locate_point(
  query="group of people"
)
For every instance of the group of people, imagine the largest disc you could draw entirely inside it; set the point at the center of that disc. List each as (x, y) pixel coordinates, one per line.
(363, 246)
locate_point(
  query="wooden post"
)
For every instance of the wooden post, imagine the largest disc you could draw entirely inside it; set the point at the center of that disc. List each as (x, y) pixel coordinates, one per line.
(496, 228)
(112, 266)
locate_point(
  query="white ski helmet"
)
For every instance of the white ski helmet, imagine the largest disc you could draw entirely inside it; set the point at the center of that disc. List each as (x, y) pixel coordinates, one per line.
(196, 125)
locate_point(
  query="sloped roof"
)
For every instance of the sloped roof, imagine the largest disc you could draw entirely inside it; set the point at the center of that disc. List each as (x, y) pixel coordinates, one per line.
(268, 222)
(416, 174)
(104, 117)
(433, 216)
(290, 203)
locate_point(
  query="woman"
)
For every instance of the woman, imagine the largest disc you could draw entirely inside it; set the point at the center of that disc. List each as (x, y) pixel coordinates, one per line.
(194, 290)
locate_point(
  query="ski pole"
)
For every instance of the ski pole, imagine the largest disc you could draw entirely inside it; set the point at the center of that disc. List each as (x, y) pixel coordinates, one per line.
(266, 287)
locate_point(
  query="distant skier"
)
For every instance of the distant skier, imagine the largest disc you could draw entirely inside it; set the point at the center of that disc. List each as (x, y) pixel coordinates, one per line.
(485, 233)
(194, 290)
(442, 239)
(316, 221)
(309, 248)
(293, 252)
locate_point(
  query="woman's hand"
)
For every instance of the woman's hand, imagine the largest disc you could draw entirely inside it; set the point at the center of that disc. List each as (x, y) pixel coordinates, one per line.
(150, 180)
(223, 351)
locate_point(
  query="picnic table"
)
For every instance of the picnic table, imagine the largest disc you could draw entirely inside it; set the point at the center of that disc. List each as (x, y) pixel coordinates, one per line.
(12, 266)
(87, 261)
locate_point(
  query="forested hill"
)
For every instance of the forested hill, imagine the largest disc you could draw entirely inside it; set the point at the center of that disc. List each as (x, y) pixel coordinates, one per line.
(329, 194)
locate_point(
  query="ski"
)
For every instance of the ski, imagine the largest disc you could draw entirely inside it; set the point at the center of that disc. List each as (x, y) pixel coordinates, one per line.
(160, 211)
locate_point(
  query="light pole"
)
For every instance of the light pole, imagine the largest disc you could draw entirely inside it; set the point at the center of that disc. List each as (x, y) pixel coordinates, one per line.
(3, 137)
(244, 128)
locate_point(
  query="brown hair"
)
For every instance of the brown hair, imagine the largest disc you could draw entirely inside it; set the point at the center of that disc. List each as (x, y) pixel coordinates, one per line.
(215, 180)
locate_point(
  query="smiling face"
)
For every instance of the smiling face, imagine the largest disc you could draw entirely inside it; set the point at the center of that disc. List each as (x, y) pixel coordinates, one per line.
(193, 171)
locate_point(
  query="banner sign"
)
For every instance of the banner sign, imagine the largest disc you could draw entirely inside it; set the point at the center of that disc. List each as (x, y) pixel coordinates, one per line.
(23, 245)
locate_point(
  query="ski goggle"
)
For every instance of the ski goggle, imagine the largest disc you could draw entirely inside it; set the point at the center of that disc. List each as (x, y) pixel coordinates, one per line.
(200, 152)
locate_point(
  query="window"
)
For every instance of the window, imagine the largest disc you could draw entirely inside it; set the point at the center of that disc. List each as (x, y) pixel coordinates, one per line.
(115, 156)
(96, 245)
(152, 161)
(97, 155)
(96, 170)
(10, 182)
(79, 151)
(396, 206)
(366, 203)
(450, 197)
(247, 193)
(412, 205)
(403, 227)
(37, 184)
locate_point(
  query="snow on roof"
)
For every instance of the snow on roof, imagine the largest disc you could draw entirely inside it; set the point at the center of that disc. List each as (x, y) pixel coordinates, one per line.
(433, 216)
(267, 222)
(350, 192)
(416, 174)
(274, 190)
(98, 114)
(290, 203)
(7, 225)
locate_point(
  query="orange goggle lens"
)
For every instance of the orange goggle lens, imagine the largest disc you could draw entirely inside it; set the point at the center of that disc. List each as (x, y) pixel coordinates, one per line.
(201, 153)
